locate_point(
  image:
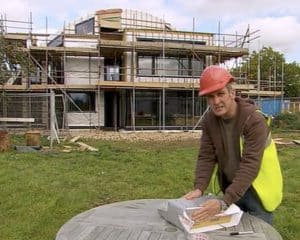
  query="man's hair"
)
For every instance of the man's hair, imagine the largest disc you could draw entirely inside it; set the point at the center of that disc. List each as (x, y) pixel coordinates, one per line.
(229, 86)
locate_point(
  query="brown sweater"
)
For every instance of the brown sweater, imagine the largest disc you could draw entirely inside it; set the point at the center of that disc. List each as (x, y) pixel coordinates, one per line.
(250, 125)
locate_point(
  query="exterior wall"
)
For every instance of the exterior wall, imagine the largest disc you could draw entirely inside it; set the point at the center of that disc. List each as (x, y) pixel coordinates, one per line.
(83, 70)
(82, 119)
(109, 18)
(84, 43)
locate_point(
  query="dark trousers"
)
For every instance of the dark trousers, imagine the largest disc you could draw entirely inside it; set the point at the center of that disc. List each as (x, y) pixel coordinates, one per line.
(251, 203)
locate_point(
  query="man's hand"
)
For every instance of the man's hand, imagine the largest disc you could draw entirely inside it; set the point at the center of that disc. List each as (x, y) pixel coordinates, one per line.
(207, 210)
(193, 194)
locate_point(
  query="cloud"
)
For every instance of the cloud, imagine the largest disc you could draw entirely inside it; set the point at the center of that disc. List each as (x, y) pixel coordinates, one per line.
(236, 9)
(15, 9)
(280, 33)
(277, 20)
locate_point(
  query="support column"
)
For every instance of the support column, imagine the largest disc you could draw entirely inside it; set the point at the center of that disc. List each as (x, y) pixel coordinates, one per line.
(129, 66)
(133, 110)
(163, 108)
(208, 60)
(52, 118)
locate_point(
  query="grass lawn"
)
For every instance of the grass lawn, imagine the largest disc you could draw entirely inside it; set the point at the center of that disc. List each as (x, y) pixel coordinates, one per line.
(41, 191)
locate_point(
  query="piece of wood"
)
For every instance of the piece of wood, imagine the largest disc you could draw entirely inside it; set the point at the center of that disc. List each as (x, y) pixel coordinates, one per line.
(296, 142)
(33, 138)
(88, 147)
(8, 119)
(74, 139)
(66, 150)
(4, 141)
(283, 143)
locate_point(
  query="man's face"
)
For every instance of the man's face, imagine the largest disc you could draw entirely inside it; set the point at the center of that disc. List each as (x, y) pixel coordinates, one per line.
(222, 102)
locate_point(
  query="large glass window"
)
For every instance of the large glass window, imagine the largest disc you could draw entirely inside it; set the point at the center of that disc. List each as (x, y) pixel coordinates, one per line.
(197, 67)
(166, 67)
(145, 65)
(146, 108)
(85, 27)
(176, 108)
(184, 69)
(179, 108)
(85, 101)
(169, 66)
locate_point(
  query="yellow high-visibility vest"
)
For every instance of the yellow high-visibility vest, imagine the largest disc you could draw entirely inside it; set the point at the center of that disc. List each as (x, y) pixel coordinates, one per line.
(269, 173)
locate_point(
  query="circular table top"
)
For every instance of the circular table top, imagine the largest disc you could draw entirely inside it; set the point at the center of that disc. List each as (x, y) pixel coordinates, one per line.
(139, 220)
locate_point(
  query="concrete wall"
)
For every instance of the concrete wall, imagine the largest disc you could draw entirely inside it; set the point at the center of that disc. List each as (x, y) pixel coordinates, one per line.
(83, 43)
(83, 70)
(128, 67)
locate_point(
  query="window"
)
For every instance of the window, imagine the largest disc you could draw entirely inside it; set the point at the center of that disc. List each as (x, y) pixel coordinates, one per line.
(112, 73)
(85, 101)
(184, 69)
(166, 67)
(169, 66)
(197, 67)
(145, 65)
(146, 108)
(85, 27)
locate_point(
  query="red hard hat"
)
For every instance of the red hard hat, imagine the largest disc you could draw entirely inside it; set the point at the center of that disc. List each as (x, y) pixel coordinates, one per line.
(213, 78)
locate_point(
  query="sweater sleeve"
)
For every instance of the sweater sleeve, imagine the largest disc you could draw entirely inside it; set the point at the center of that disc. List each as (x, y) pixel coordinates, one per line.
(254, 135)
(206, 160)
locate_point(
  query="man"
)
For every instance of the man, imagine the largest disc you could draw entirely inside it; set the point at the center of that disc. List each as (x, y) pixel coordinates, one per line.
(237, 139)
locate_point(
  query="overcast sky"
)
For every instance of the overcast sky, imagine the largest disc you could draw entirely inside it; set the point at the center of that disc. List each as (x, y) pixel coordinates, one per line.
(278, 22)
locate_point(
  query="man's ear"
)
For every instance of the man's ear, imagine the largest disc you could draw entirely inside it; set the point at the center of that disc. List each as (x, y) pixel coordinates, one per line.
(233, 93)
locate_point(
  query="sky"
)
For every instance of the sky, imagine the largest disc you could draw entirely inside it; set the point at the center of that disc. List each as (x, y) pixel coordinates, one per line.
(277, 22)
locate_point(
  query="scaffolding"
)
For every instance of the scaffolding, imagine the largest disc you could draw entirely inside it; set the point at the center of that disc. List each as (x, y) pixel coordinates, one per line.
(121, 61)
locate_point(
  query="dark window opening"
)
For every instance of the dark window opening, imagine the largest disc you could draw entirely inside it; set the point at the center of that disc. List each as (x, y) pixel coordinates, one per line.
(146, 108)
(84, 101)
(85, 27)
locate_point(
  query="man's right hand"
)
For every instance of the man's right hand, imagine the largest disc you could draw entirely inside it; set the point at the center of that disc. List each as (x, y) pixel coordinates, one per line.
(193, 194)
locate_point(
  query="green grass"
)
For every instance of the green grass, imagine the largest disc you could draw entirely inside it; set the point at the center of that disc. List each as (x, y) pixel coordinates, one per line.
(41, 191)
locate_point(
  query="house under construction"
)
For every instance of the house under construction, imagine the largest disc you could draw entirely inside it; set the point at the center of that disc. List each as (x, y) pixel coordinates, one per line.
(116, 69)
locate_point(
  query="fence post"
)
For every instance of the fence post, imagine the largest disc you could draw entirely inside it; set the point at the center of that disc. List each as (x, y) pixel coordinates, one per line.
(52, 117)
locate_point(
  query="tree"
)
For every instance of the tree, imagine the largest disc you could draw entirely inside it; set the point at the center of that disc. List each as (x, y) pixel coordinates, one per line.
(292, 80)
(13, 58)
(271, 66)
(269, 60)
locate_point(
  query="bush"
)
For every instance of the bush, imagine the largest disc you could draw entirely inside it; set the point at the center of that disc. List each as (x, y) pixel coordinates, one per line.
(289, 121)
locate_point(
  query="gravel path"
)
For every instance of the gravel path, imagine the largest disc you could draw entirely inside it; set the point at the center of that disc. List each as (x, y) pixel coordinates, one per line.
(138, 135)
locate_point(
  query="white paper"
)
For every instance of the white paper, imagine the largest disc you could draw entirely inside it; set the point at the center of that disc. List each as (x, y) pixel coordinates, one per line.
(233, 214)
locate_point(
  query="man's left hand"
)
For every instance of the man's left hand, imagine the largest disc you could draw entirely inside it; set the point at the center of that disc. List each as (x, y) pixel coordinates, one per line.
(207, 210)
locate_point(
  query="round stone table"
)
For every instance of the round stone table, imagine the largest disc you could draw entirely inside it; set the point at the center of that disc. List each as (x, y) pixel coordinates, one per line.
(139, 220)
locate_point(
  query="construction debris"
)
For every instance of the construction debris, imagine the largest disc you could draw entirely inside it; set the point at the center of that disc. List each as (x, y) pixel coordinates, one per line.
(4, 141)
(74, 139)
(84, 146)
(33, 138)
(296, 142)
(27, 149)
(281, 141)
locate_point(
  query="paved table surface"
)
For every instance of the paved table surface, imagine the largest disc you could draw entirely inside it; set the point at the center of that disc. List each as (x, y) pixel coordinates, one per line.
(139, 220)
